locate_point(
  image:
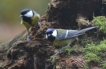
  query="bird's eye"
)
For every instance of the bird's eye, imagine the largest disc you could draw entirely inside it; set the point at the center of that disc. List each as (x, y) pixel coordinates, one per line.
(21, 15)
(49, 32)
(48, 35)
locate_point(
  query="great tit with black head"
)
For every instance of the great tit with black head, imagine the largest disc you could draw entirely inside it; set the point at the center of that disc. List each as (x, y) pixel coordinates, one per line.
(29, 19)
(62, 37)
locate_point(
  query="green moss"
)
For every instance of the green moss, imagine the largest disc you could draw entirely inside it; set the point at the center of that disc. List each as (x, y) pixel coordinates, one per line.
(104, 65)
(101, 22)
(92, 57)
(69, 50)
(96, 53)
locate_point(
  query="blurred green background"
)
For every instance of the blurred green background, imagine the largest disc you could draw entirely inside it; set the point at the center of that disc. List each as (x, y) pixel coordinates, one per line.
(9, 15)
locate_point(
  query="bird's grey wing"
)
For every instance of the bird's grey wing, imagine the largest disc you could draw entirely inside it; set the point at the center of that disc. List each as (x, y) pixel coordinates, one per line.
(81, 32)
(67, 34)
(73, 33)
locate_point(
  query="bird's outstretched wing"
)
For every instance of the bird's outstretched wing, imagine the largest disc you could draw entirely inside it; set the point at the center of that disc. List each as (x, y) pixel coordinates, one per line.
(73, 33)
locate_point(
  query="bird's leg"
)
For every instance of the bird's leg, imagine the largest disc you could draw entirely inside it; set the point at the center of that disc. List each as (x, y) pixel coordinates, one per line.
(28, 37)
(39, 24)
(62, 49)
(77, 38)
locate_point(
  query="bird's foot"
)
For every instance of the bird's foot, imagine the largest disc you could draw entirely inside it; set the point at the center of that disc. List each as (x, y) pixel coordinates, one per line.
(53, 58)
(61, 50)
(39, 24)
(28, 38)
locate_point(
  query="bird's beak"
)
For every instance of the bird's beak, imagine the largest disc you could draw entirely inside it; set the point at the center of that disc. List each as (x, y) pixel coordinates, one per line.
(21, 22)
(46, 37)
(20, 15)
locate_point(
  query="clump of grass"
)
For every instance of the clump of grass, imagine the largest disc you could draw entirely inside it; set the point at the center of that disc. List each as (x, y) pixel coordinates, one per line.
(101, 22)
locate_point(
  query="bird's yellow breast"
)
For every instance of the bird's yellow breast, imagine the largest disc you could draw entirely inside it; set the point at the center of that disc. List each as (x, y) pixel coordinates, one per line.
(62, 42)
(34, 22)
(27, 25)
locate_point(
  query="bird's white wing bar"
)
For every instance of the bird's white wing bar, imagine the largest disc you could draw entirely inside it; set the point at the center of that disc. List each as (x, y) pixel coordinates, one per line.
(66, 34)
(73, 33)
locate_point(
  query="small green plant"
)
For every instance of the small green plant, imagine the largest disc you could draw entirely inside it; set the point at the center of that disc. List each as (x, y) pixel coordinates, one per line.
(101, 22)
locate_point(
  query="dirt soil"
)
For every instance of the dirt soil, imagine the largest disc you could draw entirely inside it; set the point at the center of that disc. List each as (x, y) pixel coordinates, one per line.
(35, 54)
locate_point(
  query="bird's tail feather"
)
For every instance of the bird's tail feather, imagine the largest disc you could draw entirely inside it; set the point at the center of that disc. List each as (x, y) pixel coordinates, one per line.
(84, 30)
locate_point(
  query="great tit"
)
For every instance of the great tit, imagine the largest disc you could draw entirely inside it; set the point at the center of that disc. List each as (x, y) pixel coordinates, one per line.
(62, 37)
(29, 19)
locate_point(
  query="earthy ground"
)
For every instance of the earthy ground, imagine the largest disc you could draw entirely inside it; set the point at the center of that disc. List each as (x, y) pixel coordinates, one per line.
(36, 54)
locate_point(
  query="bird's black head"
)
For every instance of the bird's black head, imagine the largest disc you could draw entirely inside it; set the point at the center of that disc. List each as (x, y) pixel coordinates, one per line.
(51, 34)
(26, 15)
(24, 11)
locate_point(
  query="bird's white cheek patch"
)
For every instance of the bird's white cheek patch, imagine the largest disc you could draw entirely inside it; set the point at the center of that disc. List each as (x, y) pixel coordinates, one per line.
(54, 33)
(46, 37)
(29, 14)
